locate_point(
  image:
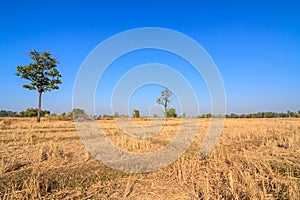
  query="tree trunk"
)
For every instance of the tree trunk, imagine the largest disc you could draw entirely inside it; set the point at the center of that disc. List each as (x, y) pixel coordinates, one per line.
(38, 119)
(166, 109)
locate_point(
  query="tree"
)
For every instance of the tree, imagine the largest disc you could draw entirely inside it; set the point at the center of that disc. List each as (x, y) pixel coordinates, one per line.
(33, 112)
(155, 115)
(283, 115)
(116, 115)
(164, 99)
(8, 113)
(77, 113)
(243, 116)
(42, 74)
(233, 115)
(290, 114)
(136, 113)
(171, 113)
(106, 116)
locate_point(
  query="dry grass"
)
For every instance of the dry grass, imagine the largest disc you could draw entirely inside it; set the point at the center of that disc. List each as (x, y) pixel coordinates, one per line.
(254, 159)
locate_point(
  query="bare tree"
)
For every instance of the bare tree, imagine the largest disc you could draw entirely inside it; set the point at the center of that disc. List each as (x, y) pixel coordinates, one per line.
(164, 99)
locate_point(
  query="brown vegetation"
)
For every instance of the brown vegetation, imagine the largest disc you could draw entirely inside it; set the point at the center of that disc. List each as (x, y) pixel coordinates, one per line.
(254, 159)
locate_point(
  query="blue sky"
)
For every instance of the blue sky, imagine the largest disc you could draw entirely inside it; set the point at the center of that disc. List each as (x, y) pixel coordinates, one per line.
(255, 45)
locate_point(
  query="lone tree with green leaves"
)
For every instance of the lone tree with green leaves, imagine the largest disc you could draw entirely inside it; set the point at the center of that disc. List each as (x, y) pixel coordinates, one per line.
(172, 113)
(164, 99)
(136, 113)
(42, 74)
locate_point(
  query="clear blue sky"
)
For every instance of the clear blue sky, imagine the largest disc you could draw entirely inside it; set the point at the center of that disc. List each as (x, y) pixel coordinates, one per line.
(255, 44)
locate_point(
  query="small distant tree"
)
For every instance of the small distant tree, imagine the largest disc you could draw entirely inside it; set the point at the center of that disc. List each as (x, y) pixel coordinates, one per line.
(42, 74)
(183, 115)
(233, 115)
(33, 112)
(243, 116)
(155, 115)
(136, 113)
(165, 99)
(283, 115)
(116, 115)
(171, 113)
(78, 113)
(106, 116)
(204, 115)
(29, 112)
(8, 113)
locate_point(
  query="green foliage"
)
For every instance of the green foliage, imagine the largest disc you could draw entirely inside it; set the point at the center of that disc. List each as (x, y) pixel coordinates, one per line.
(32, 112)
(255, 115)
(265, 115)
(42, 74)
(171, 113)
(7, 113)
(77, 113)
(291, 114)
(232, 115)
(164, 99)
(29, 112)
(155, 115)
(45, 113)
(208, 115)
(116, 115)
(136, 113)
(106, 116)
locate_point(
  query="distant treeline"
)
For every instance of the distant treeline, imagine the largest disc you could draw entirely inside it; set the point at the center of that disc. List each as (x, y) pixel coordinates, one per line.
(32, 112)
(288, 114)
(29, 112)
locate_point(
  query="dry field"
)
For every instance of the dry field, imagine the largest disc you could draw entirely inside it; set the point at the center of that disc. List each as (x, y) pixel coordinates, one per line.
(254, 159)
